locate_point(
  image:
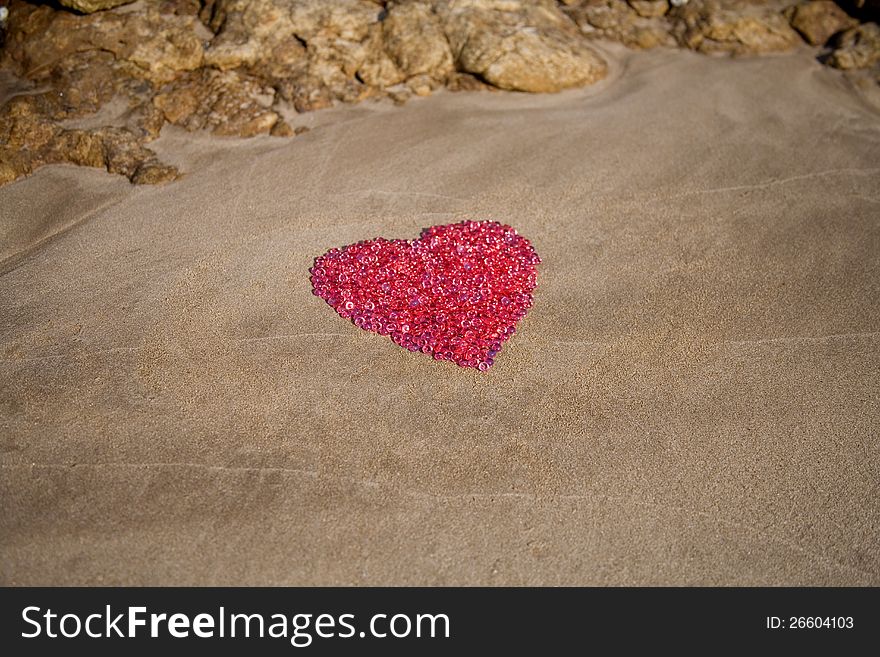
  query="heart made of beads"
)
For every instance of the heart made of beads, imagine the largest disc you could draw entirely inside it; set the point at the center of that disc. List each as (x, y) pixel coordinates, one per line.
(456, 292)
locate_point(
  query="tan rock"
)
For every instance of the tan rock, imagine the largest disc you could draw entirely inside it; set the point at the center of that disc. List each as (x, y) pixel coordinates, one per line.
(649, 8)
(250, 32)
(8, 170)
(162, 48)
(310, 50)
(408, 42)
(518, 45)
(30, 138)
(282, 129)
(858, 47)
(399, 93)
(80, 147)
(337, 37)
(125, 154)
(378, 68)
(90, 6)
(736, 27)
(318, 51)
(414, 39)
(422, 85)
(819, 21)
(617, 20)
(307, 94)
(225, 102)
(149, 44)
(154, 173)
(24, 126)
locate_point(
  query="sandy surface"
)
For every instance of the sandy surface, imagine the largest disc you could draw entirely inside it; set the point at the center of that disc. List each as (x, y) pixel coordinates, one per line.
(693, 399)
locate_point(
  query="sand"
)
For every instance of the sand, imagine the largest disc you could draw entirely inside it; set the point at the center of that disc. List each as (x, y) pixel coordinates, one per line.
(693, 399)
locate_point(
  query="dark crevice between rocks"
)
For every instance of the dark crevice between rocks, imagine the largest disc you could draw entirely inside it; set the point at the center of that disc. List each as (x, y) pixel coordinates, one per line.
(862, 10)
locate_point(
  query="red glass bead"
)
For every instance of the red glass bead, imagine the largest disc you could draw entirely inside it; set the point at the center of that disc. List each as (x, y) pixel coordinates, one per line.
(455, 293)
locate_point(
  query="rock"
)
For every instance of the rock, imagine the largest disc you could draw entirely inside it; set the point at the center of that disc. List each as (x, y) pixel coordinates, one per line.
(97, 86)
(315, 51)
(90, 6)
(858, 47)
(252, 33)
(818, 21)
(97, 73)
(635, 27)
(378, 68)
(291, 38)
(467, 82)
(125, 154)
(228, 103)
(649, 8)
(399, 93)
(282, 129)
(8, 171)
(735, 27)
(422, 85)
(519, 45)
(154, 173)
(29, 139)
(150, 44)
(408, 42)
(413, 38)
(221, 65)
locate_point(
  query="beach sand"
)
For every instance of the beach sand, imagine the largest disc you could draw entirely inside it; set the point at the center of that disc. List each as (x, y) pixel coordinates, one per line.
(693, 399)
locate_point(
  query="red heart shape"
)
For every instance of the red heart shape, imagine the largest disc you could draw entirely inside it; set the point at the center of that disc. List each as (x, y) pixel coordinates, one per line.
(456, 292)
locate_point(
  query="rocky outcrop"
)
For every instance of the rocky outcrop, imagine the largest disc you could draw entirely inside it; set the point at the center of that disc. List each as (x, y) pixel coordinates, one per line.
(225, 65)
(29, 138)
(734, 27)
(315, 52)
(149, 44)
(347, 49)
(98, 83)
(80, 66)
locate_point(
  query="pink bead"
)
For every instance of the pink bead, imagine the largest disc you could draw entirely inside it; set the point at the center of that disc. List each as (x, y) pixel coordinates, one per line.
(455, 293)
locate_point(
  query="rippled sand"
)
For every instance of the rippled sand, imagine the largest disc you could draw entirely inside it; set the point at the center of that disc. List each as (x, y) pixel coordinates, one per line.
(693, 399)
